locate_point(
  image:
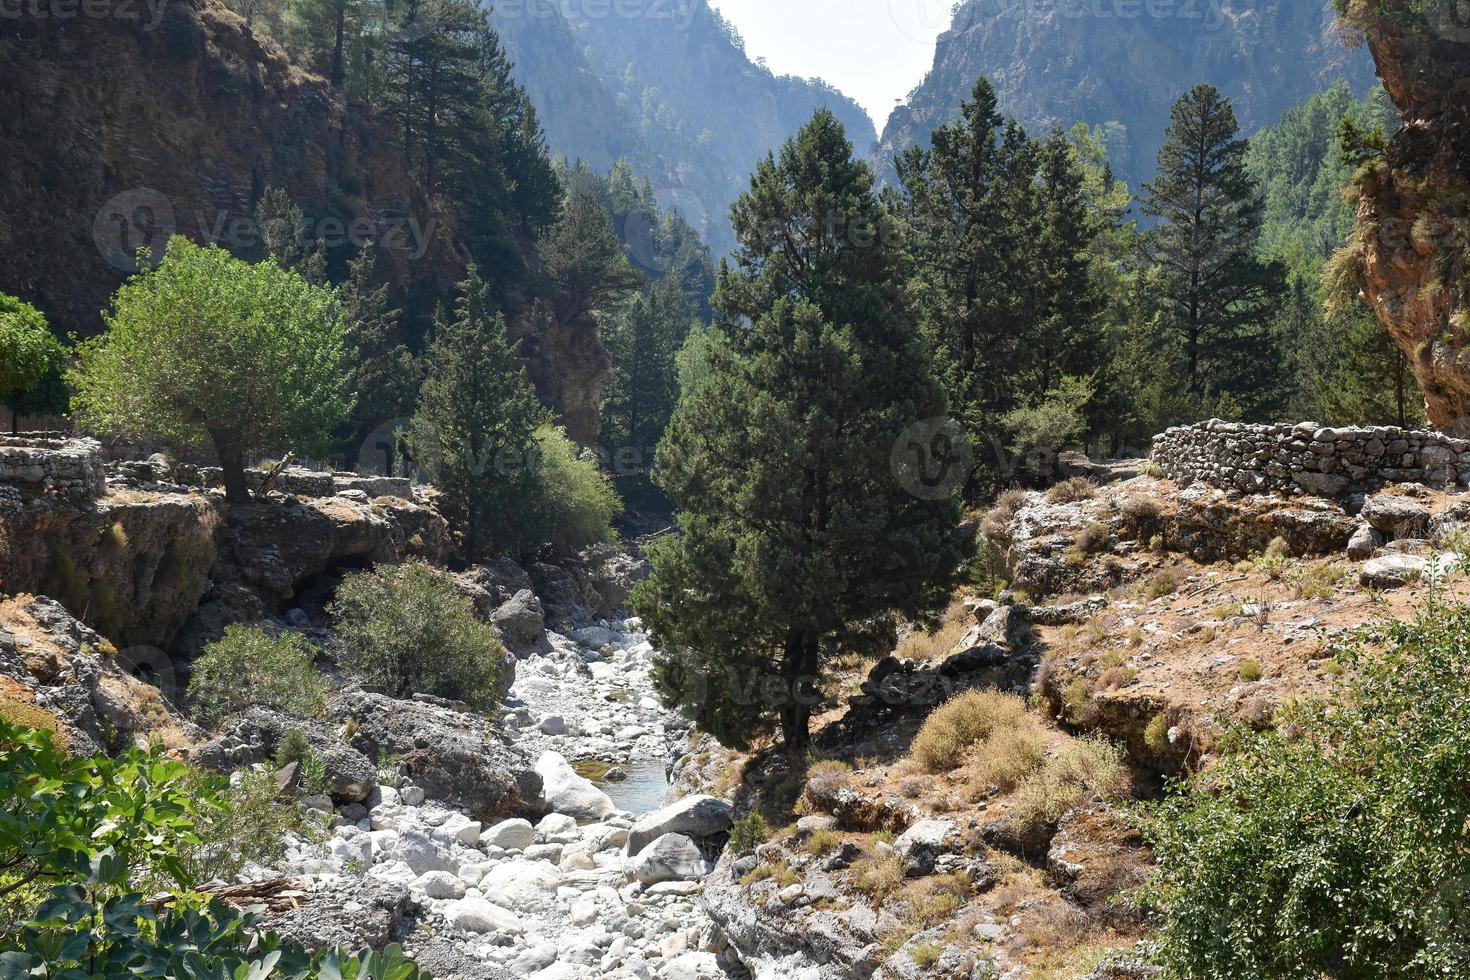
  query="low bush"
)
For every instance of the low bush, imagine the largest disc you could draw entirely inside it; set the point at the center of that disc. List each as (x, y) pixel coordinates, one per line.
(407, 629)
(879, 875)
(1010, 754)
(1072, 490)
(1335, 845)
(1081, 769)
(580, 501)
(748, 833)
(249, 666)
(86, 832)
(961, 722)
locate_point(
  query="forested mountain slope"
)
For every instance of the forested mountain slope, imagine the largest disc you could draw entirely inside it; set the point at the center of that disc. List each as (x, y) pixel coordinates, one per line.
(1120, 66)
(672, 89)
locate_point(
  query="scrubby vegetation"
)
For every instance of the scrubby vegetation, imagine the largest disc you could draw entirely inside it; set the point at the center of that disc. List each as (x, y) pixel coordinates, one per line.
(1335, 845)
(962, 722)
(249, 666)
(77, 836)
(407, 629)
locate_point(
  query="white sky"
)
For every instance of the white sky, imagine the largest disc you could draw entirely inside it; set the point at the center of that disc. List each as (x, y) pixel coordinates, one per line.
(875, 51)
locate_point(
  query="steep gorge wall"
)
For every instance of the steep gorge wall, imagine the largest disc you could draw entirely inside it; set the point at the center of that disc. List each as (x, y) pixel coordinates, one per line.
(1414, 204)
(128, 120)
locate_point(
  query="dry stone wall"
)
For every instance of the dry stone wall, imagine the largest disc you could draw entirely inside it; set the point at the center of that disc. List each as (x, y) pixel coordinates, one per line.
(48, 464)
(1308, 458)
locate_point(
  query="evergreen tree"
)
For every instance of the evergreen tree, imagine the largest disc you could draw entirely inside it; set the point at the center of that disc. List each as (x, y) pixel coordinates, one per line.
(643, 388)
(281, 226)
(795, 527)
(1068, 340)
(584, 263)
(382, 371)
(1214, 296)
(32, 362)
(474, 430)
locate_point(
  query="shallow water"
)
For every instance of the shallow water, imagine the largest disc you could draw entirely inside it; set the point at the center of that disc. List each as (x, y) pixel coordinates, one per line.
(645, 789)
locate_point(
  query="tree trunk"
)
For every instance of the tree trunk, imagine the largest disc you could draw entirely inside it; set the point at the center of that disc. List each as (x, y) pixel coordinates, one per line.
(799, 671)
(232, 465)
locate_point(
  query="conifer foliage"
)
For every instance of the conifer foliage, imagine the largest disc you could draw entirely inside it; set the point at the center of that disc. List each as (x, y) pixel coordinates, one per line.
(794, 527)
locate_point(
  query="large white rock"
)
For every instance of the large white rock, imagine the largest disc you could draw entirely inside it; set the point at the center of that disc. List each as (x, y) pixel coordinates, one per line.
(513, 835)
(519, 883)
(693, 816)
(568, 793)
(440, 884)
(672, 857)
(415, 849)
(479, 916)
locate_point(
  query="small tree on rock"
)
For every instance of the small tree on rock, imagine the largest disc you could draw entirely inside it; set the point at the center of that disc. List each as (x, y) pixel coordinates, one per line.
(204, 345)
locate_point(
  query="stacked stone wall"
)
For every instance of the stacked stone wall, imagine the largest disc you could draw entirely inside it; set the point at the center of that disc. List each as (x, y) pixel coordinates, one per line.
(45, 464)
(1308, 458)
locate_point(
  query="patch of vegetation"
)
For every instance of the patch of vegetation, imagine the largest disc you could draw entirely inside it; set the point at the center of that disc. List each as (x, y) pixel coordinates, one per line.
(925, 954)
(407, 629)
(1156, 734)
(1072, 490)
(823, 842)
(1317, 581)
(248, 666)
(748, 833)
(1082, 768)
(1249, 671)
(960, 723)
(1334, 845)
(1164, 582)
(878, 874)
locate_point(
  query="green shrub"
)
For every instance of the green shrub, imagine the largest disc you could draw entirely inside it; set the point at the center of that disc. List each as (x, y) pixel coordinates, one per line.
(89, 830)
(1083, 768)
(406, 629)
(748, 833)
(1249, 671)
(580, 501)
(1335, 846)
(249, 666)
(1072, 490)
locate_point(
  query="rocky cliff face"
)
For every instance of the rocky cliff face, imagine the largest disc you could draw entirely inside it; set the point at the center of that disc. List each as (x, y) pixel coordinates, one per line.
(1414, 204)
(1121, 66)
(135, 121)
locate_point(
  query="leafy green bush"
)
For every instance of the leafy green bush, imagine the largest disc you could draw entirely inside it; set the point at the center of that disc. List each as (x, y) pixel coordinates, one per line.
(249, 666)
(1335, 846)
(88, 829)
(407, 629)
(580, 502)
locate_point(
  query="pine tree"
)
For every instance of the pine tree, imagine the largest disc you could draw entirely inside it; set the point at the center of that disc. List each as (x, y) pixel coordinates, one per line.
(474, 430)
(584, 263)
(383, 372)
(1213, 294)
(795, 527)
(1068, 340)
(643, 342)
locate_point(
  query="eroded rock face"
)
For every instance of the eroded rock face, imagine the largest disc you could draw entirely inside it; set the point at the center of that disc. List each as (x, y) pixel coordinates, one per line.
(256, 733)
(453, 755)
(1412, 211)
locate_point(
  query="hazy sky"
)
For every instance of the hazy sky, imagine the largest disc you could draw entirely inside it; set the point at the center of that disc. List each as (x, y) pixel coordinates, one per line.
(873, 50)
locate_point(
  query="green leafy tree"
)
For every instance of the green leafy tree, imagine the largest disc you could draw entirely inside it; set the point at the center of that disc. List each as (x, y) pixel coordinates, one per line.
(577, 503)
(1333, 845)
(32, 362)
(644, 342)
(204, 345)
(794, 526)
(407, 629)
(248, 666)
(1215, 299)
(474, 430)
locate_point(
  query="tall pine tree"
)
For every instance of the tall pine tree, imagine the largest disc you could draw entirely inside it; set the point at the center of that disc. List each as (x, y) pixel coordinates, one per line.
(1215, 300)
(794, 527)
(474, 430)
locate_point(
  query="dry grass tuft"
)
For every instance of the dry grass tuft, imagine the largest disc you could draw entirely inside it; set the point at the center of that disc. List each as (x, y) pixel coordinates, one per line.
(960, 723)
